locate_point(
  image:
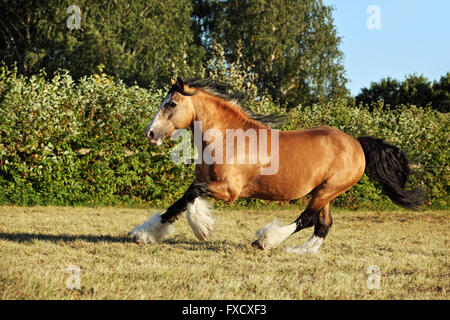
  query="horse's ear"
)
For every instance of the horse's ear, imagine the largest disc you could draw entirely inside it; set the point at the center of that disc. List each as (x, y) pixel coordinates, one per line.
(180, 83)
(172, 82)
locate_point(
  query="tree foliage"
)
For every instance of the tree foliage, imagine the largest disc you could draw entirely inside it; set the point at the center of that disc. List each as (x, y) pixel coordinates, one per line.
(139, 41)
(292, 45)
(414, 90)
(441, 93)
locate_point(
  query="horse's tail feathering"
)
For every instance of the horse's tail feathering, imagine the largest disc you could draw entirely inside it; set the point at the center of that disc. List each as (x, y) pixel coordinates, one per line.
(388, 165)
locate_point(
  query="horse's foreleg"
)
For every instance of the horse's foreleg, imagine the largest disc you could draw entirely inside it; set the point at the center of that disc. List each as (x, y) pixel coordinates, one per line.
(160, 226)
(153, 230)
(198, 210)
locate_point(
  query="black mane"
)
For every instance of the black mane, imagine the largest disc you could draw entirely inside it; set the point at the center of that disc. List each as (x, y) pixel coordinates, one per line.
(217, 88)
(222, 90)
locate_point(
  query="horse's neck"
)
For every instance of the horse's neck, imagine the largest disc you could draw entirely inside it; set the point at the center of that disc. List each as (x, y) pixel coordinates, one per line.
(214, 113)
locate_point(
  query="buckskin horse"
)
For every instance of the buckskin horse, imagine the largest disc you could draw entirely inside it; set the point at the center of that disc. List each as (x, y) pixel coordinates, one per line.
(322, 161)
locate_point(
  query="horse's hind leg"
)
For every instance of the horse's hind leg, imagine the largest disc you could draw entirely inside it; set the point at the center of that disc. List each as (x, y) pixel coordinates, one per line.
(317, 213)
(322, 226)
(273, 234)
(325, 222)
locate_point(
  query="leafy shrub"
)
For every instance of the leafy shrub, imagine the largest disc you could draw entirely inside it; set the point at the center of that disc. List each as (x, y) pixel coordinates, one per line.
(67, 143)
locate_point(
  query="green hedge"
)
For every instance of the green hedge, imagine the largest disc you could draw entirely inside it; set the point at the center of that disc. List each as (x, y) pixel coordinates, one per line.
(67, 143)
(75, 144)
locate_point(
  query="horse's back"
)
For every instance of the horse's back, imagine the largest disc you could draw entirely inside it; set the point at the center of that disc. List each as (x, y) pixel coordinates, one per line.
(324, 139)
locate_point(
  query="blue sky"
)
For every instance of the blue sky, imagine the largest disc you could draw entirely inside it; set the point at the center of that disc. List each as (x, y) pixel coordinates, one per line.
(414, 37)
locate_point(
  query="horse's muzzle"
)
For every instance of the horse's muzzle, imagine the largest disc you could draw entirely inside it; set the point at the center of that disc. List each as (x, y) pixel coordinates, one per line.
(151, 138)
(150, 135)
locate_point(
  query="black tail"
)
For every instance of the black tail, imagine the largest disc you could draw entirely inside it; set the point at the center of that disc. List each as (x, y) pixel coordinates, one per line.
(388, 165)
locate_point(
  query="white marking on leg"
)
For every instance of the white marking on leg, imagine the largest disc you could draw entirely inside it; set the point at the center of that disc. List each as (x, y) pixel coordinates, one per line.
(311, 246)
(273, 234)
(152, 230)
(200, 219)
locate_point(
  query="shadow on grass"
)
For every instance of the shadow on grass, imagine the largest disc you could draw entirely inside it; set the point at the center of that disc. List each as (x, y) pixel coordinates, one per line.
(177, 241)
(29, 237)
(213, 245)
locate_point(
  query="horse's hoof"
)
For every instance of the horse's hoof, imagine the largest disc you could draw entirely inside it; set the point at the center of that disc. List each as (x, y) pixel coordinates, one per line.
(257, 245)
(139, 242)
(135, 239)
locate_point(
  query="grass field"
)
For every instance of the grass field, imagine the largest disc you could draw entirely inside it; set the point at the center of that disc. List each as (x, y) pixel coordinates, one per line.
(38, 244)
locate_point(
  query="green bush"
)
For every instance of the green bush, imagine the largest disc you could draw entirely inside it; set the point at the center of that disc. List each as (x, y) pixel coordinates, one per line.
(70, 144)
(67, 143)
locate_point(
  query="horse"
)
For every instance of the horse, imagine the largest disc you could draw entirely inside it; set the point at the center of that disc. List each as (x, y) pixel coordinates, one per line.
(322, 161)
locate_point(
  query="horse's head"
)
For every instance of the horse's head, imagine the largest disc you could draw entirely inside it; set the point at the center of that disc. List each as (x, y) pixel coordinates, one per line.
(175, 112)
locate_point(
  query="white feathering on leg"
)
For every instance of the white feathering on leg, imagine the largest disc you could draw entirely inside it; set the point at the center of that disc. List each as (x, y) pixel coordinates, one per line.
(311, 246)
(152, 230)
(273, 234)
(200, 219)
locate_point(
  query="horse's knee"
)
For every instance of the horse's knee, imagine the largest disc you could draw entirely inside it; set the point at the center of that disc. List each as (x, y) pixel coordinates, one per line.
(196, 190)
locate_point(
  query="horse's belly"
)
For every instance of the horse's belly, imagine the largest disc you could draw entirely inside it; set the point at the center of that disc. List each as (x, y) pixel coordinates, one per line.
(275, 189)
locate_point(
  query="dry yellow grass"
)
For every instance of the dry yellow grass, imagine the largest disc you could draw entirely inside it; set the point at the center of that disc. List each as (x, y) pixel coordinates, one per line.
(38, 244)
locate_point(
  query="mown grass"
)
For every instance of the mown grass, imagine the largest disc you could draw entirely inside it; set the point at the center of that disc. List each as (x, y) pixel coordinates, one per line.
(38, 244)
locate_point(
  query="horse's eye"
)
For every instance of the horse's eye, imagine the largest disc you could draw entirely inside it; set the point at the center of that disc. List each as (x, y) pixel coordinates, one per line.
(173, 104)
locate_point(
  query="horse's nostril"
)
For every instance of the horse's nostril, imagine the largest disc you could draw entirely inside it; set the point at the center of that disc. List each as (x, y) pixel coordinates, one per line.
(151, 135)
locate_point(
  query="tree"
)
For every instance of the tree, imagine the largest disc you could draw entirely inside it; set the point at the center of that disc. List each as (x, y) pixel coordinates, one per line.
(441, 90)
(387, 90)
(414, 90)
(139, 40)
(292, 45)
